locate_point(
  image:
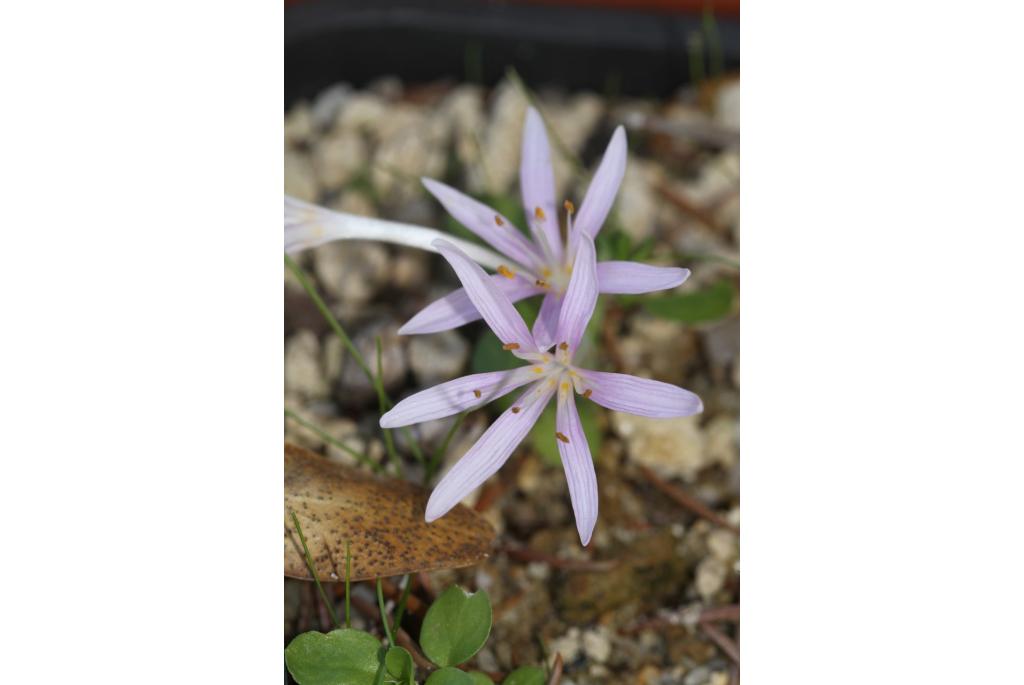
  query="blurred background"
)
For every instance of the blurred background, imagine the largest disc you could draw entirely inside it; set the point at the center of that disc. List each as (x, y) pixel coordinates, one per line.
(381, 92)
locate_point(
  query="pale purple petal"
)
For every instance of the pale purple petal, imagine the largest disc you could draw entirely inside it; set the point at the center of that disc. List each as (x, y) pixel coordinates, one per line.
(580, 296)
(455, 396)
(635, 278)
(493, 304)
(537, 180)
(603, 188)
(456, 309)
(578, 465)
(640, 396)
(480, 219)
(547, 321)
(489, 453)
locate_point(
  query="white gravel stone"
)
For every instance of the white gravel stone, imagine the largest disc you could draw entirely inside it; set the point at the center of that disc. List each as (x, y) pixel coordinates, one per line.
(303, 371)
(722, 434)
(597, 645)
(503, 139)
(351, 270)
(710, 578)
(438, 357)
(328, 104)
(637, 205)
(338, 157)
(298, 125)
(727, 105)
(361, 112)
(569, 646)
(672, 448)
(299, 177)
(723, 545)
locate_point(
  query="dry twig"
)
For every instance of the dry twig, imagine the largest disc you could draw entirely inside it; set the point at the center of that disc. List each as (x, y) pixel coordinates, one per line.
(686, 500)
(556, 671)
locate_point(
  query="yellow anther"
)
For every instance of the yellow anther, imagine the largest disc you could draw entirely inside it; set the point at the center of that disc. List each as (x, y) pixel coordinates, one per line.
(565, 385)
(516, 410)
(562, 437)
(477, 393)
(510, 346)
(587, 393)
(506, 272)
(539, 213)
(545, 272)
(569, 207)
(498, 220)
(563, 346)
(538, 369)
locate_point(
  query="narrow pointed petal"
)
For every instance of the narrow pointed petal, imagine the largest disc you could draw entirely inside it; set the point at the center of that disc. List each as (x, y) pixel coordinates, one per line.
(488, 454)
(580, 296)
(479, 218)
(537, 180)
(603, 188)
(307, 226)
(493, 304)
(547, 321)
(578, 465)
(635, 278)
(455, 396)
(640, 396)
(456, 309)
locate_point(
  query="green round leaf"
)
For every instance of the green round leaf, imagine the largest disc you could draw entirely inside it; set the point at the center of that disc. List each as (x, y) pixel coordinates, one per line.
(449, 676)
(526, 675)
(399, 665)
(456, 626)
(341, 657)
(479, 678)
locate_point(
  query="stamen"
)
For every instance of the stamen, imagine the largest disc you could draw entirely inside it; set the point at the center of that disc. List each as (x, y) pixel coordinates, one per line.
(587, 393)
(538, 369)
(498, 220)
(545, 272)
(477, 393)
(516, 410)
(569, 207)
(506, 272)
(563, 346)
(565, 386)
(510, 346)
(539, 213)
(541, 283)
(562, 437)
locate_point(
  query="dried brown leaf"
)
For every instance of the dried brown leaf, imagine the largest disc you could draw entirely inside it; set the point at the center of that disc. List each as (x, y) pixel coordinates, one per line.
(381, 519)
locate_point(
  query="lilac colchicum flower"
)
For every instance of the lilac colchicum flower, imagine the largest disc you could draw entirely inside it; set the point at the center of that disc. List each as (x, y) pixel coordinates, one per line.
(547, 374)
(542, 266)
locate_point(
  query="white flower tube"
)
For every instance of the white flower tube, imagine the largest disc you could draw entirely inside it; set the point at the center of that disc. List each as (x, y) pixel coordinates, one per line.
(307, 225)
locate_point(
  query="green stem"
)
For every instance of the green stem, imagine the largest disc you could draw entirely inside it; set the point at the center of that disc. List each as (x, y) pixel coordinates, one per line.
(384, 403)
(400, 611)
(348, 588)
(360, 457)
(439, 453)
(299, 274)
(312, 572)
(375, 379)
(383, 615)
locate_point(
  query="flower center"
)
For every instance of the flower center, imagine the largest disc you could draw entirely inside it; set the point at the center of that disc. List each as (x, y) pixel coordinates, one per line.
(555, 275)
